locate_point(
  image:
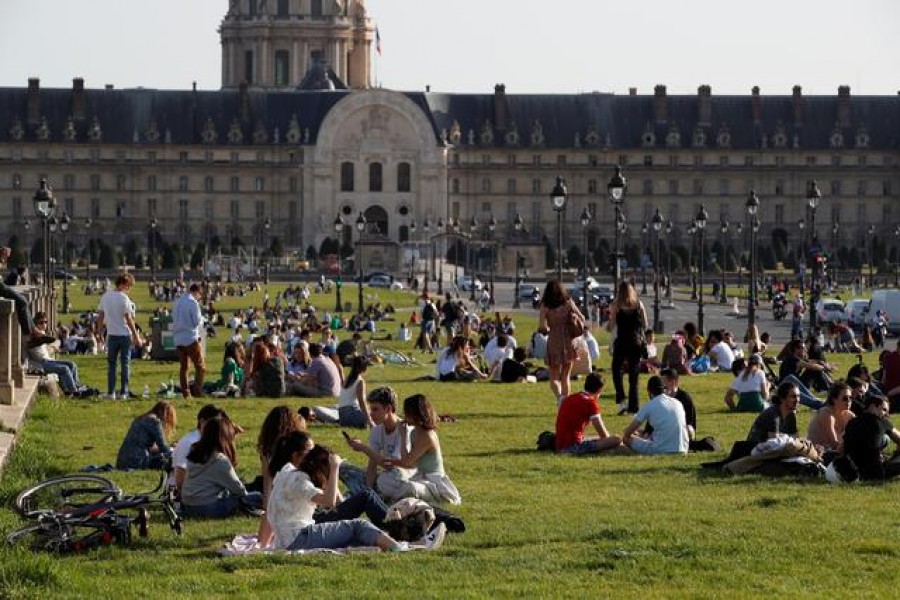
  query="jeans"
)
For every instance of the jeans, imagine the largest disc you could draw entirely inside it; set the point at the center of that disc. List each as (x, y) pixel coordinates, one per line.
(363, 502)
(22, 312)
(337, 534)
(352, 416)
(118, 349)
(632, 354)
(223, 507)
(806, 396)
(67, 372)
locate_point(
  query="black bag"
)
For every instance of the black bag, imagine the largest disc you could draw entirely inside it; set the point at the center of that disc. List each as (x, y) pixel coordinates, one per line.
(546, 442)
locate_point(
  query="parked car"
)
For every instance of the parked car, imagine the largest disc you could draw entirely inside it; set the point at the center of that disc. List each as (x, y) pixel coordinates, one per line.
(830, 310)
(526, 291)
(464, 283)
(380, 281)
(888, 302)
(64, 274)
(856, 311)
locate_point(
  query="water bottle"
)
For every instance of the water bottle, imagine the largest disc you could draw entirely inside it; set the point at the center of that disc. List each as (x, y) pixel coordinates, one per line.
(171, 391)
(146, 393)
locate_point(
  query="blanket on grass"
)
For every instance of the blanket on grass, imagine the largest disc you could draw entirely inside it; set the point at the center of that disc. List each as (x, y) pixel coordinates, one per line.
(246, 545)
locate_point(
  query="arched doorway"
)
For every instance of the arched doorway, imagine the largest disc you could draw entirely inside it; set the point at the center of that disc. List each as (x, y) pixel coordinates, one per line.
(376, 222)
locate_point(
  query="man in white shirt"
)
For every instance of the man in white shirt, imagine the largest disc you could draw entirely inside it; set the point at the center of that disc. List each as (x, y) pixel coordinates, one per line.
(116, 312)
(498, 349)
(666, 415)
(384, 441)
(720, 353)
(187, 319)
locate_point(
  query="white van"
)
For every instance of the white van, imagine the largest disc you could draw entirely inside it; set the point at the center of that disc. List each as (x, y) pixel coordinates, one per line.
(889, 302)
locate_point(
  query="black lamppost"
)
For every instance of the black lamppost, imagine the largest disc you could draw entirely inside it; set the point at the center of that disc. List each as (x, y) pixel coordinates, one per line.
(657, 223)
(739, 227)
(153, 225)
(440, 275)
(872, 257)
(813, 196)
(616, 189)
(752, 208)
(52, 226)
(692, 231)
(64, 228)
(700, 222)
(26, 225)
(87, 240)
(585, 221)
(669, 227)
(518, 223)
(267, 226)
(339, 226)
(801, 259)
(896, 257)
(491, 227)
(473, 227)
(836, 245)
(558, 198)
(360, 227)
(413, 256)
(645, 236)
(429, 251)
(723, 228)
(44, 205)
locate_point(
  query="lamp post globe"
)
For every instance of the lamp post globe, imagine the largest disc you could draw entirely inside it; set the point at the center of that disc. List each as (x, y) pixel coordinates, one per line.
(339, 226)
(616, 190)
(44, 205)
(700, 222)
(360, 227)
(558, 198)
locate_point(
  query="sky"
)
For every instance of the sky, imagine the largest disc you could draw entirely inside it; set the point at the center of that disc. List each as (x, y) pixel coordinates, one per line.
(532, 46)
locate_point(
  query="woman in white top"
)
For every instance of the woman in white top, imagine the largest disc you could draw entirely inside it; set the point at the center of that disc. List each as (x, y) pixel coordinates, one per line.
(750, 386)
(352, 408)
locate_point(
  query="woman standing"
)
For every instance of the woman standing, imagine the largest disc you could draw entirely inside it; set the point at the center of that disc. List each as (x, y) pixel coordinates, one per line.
(628, 319)
(352, 408)
(145, 446)
(556, 308)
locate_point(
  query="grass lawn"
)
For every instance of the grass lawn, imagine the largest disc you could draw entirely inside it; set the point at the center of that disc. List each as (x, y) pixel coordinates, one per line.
(539, 525)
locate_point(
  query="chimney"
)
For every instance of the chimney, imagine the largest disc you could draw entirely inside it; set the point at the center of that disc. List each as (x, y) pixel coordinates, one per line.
(632, 91)
(244, 101)
(34, 100)
(756, 105)
(427, 88)
(798, 106)
(844, 106)
(704, 93)
(108, 87)
(501, 107)
(78, 101)
(660, 104)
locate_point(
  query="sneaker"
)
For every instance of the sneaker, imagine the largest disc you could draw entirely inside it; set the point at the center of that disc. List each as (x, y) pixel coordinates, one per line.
(108, 396)
(623, 408)
(435, 537)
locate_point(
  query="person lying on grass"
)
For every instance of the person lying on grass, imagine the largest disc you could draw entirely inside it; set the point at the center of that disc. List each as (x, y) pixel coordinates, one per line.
(305, 479)
(573, 416)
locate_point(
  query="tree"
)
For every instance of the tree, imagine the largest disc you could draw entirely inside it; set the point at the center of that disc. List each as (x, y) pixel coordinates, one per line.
(329, 246)
(107, 257)
(311, 254)
(198, 255)
(131, 251)
(276, 248)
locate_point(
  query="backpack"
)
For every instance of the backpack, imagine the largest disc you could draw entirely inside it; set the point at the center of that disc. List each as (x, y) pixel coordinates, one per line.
(428, 312)
(546, 441)
(408, 520)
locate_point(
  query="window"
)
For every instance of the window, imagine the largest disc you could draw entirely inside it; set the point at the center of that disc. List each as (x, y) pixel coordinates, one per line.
(95, 183)
(779, 187)
(698, 187)
(259, 184)
(836, 188)
(454, 186)
(121, 209)
(648, 160)
(281, 9)
(260, 209)
(316, 8)
(235, 209)
(95, 208)
(861, 188)
(182, 184)
(183, 210)
(208, 212)
(723, 187)
(886, 188)
(248, 61)
(592, 186)
(535, 186)
(510, 186)
(561, 160)
(69, 182)
(486, 185)
(17, 208)
(723, 160)
(121, 183)
(293, 184)
(648, 187)
(95, 155)
(183, 157)
(375, 182)
(208, 184)
(536, 160)
(403, 177)
(234, 184)
(592, 160)
(673, 187)
(536, 214)
(282, 60)
(779, 214)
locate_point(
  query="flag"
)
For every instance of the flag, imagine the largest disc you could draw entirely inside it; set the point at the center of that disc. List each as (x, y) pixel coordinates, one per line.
(377, 42)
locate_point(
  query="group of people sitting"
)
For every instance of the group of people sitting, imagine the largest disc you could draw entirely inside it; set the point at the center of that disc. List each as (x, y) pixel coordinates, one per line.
(297, 493)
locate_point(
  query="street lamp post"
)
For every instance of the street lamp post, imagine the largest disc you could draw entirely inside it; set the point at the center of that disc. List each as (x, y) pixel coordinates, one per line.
(872, 257)
(657, 223)
(64, 228)
(669, 261)
(491, 226)
(813, 196)
(267, 226)
(835, 248)
(26, 225)
(585, 221)
(723, 228)
(440, 265)
(700, 221)
(87, 240)
(801, 259)
(517, 225)
(692, 231)
(52, 226)
(44, 205)
(896, 257)
(414, 254)
(360, 227)
(752, 208)
(616, 189)
(739, 227)
(558, 198)
(153, 225)
(429, 251)
(339, 226)
(473, 227)
(645, 236)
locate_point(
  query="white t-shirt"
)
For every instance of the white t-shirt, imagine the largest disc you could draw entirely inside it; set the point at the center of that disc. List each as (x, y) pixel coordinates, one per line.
(347, 397)
(115, 305)
(182, 449)
(290, 507)
(753, 383)
(446, 362)
(723, 356)
(385, 443)
(670, 435)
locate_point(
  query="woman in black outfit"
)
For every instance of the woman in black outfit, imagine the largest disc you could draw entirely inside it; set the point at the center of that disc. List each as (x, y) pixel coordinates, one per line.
(628, 319)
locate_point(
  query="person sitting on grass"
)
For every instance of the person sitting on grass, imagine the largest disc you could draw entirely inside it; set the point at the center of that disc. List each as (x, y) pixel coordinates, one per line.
(751, 388)
(827, 426)
(384, 440)
(183, 447)
(513, 370)
(66, 370)
(781, 417)
(352, 408)
(321, 379)
(231, 377)
(719, 351)
(454, 362)
(305, 479)
(212, 488)
(145, 446)
(795, 368)
(866, 437)
(666, 415)
(675, 354)
(573, 416)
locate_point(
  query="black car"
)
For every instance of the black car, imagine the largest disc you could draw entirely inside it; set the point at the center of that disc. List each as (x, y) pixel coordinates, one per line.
(64, 274)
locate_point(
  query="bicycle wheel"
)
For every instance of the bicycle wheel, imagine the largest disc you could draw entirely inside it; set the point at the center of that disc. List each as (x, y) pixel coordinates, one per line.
(65, 493)
(81, 536)
(43, 536)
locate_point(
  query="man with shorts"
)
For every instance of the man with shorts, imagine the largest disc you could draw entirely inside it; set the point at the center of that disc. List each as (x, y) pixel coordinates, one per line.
(187, 319)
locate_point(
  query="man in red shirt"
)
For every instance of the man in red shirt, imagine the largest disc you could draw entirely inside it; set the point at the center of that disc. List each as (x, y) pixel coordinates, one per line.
(575, 412)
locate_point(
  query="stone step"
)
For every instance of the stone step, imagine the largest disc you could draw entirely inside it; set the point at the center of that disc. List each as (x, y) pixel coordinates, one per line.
(12, 416)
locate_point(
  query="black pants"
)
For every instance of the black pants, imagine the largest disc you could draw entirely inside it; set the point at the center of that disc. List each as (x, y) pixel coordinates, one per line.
(22, 311)
(623, 353)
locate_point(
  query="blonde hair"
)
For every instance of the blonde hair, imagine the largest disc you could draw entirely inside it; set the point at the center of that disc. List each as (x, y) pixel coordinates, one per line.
(627, 296)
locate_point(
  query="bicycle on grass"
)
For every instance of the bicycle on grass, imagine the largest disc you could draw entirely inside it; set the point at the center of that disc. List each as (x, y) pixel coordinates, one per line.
(76, 513)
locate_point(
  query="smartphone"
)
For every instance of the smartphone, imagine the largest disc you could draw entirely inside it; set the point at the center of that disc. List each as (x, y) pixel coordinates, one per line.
(345, 434)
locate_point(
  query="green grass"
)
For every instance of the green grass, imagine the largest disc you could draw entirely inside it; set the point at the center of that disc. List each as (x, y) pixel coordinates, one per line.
(539, 525)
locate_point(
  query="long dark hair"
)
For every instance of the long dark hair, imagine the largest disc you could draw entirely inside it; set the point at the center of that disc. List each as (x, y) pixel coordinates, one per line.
(315, 464)
(554, 295)
(359, 366)
(280, 421)
(417, 411)
(284, 448)
(217, 436)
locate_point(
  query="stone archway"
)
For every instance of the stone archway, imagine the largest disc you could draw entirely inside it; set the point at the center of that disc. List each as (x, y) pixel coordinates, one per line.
(377, 224)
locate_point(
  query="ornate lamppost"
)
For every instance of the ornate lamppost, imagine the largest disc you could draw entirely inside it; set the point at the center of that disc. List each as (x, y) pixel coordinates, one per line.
(801, 259)
(872, 256)
(491, 226)
(360, 227)
(558, 198)
(153, 225)
(669, 227)
(752, 207)
(585, 221)
(429, 251)
(64, 228)
(439, 232)
(723, 229)
(26, 225)
(473, 227)
(339, 226)
(692, 231)
(836, 244)
(616, 189)
(44, 206)
(657, 223)
(813, 196)
(413, 256)
(739, 228)
(645, 236)
(87, 240)
(700, 222)
(267, 226)
(517, 225)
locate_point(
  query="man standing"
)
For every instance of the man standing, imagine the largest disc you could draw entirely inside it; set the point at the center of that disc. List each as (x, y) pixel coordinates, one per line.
(117, 313)
(575, 412)
(187, 320)
(666, 416)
